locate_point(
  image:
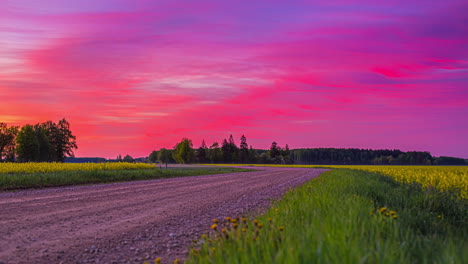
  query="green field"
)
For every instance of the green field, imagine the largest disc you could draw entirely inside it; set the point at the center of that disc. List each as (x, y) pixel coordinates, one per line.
(346, 216)
(16, 181)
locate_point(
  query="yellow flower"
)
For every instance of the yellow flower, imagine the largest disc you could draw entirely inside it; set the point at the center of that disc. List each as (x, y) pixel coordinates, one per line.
(234, 225)
(215, 220)
(227, 218)
(214, 226)
(276, 210)
(270, 219)
(383, 209)
(281, 228)
(176, 261)
(255, 222)
(244, 230)
(244, 219)
(260, 225)
(395, 216)
(204, 236)
(223, 230)
(157, 261)
(234, 220)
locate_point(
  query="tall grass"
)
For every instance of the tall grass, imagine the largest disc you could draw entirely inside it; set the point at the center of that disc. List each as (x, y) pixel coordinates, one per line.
(346, 216)
(15, 181)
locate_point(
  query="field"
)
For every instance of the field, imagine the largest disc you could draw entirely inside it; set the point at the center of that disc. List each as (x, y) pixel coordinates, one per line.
(15, 176)
(452, 179)
(349, 214)
(370, 214)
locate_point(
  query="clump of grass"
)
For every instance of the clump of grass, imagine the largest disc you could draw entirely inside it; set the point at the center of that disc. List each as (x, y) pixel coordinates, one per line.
(15, 181)
(345, 216)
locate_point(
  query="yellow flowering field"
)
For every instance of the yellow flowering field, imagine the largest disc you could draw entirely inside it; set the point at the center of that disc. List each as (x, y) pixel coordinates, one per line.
(53, 167)
(440, 177)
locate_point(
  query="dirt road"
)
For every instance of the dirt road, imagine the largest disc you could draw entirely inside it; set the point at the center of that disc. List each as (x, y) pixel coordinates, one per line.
(132, 221)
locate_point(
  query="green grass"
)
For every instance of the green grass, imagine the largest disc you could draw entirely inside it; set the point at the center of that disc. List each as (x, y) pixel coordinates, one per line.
(335, 219)
(16, 181)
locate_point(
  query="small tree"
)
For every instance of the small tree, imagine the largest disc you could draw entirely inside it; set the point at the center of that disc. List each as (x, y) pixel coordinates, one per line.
(244, 150)
(128, 158)
(153, 157)
(8, 141)
(183, 152)
(275, 152)
(202, 153)
(215, 154)
(27, 145)
(164, 156)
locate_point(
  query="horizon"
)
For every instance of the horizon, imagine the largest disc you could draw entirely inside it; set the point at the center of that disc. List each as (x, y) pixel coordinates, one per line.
(136, 76)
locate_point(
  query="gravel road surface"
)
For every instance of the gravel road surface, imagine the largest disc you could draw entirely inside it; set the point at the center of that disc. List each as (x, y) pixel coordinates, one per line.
(132, 221)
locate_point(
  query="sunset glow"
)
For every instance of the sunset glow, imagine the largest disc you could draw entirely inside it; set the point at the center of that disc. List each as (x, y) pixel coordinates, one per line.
(134, 76)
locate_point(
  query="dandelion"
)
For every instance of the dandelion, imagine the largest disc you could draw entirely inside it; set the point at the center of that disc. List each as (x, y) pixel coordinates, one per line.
(276, 210)
(214, 226)
(223, 230)
(176, 261)
(383, 209)
(234, 220)
(234, 225)
(227, 218)
(270, 219)
(244, 230)
(255, 222)
(260, 225)
(394, 216)
(215, 220)
(157, 261)
(281, 228)
(204, 236)
(244, 219)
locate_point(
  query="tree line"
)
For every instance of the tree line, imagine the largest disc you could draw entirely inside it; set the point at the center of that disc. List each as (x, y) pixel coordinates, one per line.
(227, 152)
(42, 142)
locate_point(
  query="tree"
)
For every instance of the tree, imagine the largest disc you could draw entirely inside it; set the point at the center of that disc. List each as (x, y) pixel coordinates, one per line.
(183, 152)
(275, 152)
(119, 158)
(45, 146)
(164, 156)
(243, 150)
(153, 157)
(225, 148)
(62, 140)
(215, 154)
(128, 158)
(202, 153)
(233, 149)
(8, 141)
(287, 154)
(27, 145)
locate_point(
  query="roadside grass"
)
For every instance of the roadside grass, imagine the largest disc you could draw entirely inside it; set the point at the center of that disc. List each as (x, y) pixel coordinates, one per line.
(345, 216)
(16, 181)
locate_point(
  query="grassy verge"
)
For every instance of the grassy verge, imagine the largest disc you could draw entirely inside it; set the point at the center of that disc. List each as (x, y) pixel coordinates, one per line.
(346, 216)
(15, 181)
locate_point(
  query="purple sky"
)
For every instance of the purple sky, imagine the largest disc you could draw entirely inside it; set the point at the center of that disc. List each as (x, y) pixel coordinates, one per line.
(134, 76)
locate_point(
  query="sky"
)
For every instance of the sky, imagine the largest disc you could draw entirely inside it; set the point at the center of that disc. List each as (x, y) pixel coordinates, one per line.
(135, 76)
